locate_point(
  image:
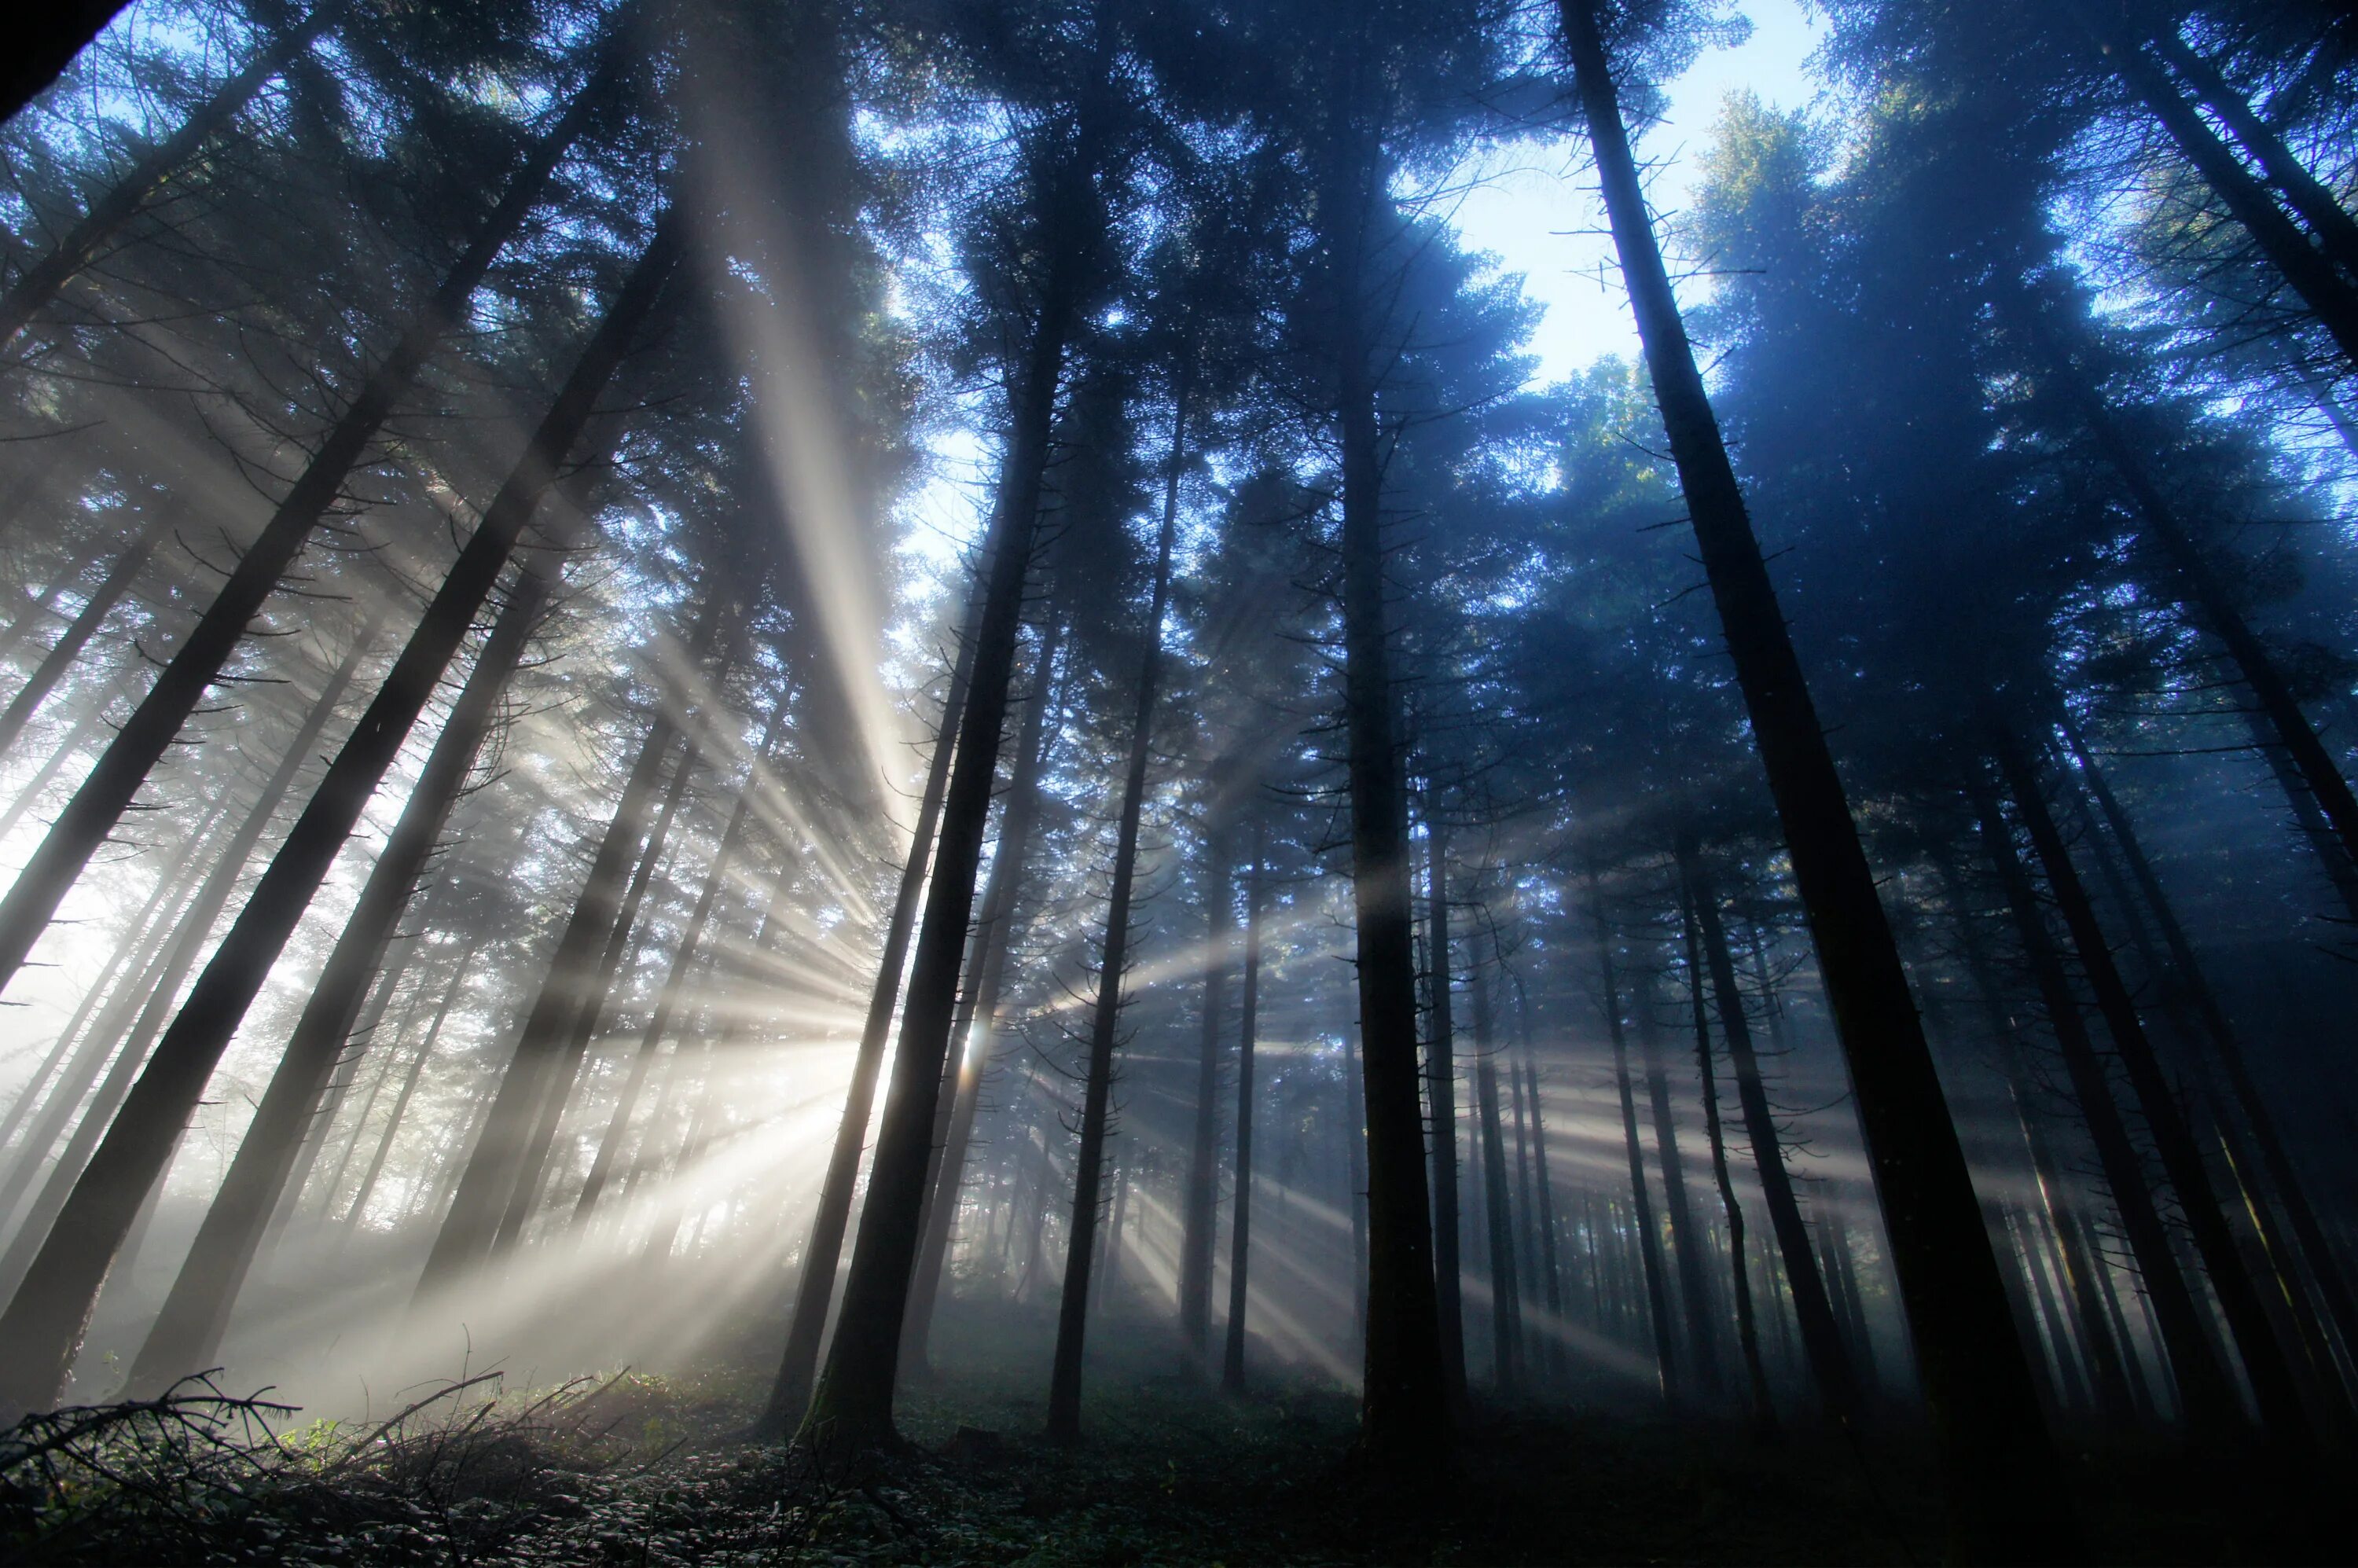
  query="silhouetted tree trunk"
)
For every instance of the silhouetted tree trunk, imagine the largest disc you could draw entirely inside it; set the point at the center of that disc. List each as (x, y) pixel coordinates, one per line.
(139, 951)
(1441, 1103)
(2308, 196)
(1650, 1244)
(2332, 297)
(1201, 1219)
(1748, 1333)
(44, 1323)
(1355, 1162)
(40, 283)
(1686, 1232)
(1506, 1284)
(1550, 1272)
(107, 792)
(78, 632)
(853, 1401)
(43, 41)
(2003, 1484)
(2273, 1385)
(2185, 973)
(186, 1333)
(2198, 588)
(1097, 1095)
(683, 964)
(2203, 1392)
(460, 973)
(140, 1013)
(1822, 1343)
(790, 1392)
(998, 932)
(1232, 1363)
(590, 1009)
(1414, 1370)
(93, 719)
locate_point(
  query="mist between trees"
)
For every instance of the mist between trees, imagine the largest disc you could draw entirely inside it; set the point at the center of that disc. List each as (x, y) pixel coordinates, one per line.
(851, 696)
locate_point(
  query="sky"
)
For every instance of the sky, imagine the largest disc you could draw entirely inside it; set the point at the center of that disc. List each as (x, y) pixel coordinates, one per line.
(1537, 209)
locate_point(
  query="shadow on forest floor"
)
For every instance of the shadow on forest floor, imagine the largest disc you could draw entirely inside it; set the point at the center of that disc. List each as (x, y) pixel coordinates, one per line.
(646, 1470)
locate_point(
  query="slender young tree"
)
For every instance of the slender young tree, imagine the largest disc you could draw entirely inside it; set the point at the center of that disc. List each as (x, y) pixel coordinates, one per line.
(1105, 1018)
(1650, 1241)
(1232, 1361)
(1441, 1111)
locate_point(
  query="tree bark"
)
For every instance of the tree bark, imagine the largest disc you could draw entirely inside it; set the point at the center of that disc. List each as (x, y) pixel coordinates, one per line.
(156, 723)
(2003, 1484)
(1097, 1098)
(186, 1333)
(1202, 1216)
(1232, 1361)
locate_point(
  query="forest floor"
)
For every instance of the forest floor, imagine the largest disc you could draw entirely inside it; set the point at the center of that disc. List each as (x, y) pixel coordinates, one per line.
(643, 1471)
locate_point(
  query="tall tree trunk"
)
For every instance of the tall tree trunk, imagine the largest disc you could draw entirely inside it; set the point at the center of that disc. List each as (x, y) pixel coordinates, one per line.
(480, 1204)
(2185, 975)
(141, 947)
(93, 719)
(98, 806)
(2330, 297)
(2200, 588)
(2308, 196)
(1097, 1096)
(1441, 1110)
(40, 283)
(1686, 1229)
(1414, 1360)
(683, 964)
(1355, 1173)
(2274, 1387)
(853, 1401)
(1232, 1361)
(2204, 1393)
(1748, 1333)
(1550, 1274)
(1202, 1216)
(1650, 1241)
(140, 1014)
(588, 1009)
(2003, 1484)
(188, 1330)
(78, 632)
(1830, 1366)
(460, 972)
(43, 1325)
(999, 930)
(1506, 1283)
(815, 1291)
